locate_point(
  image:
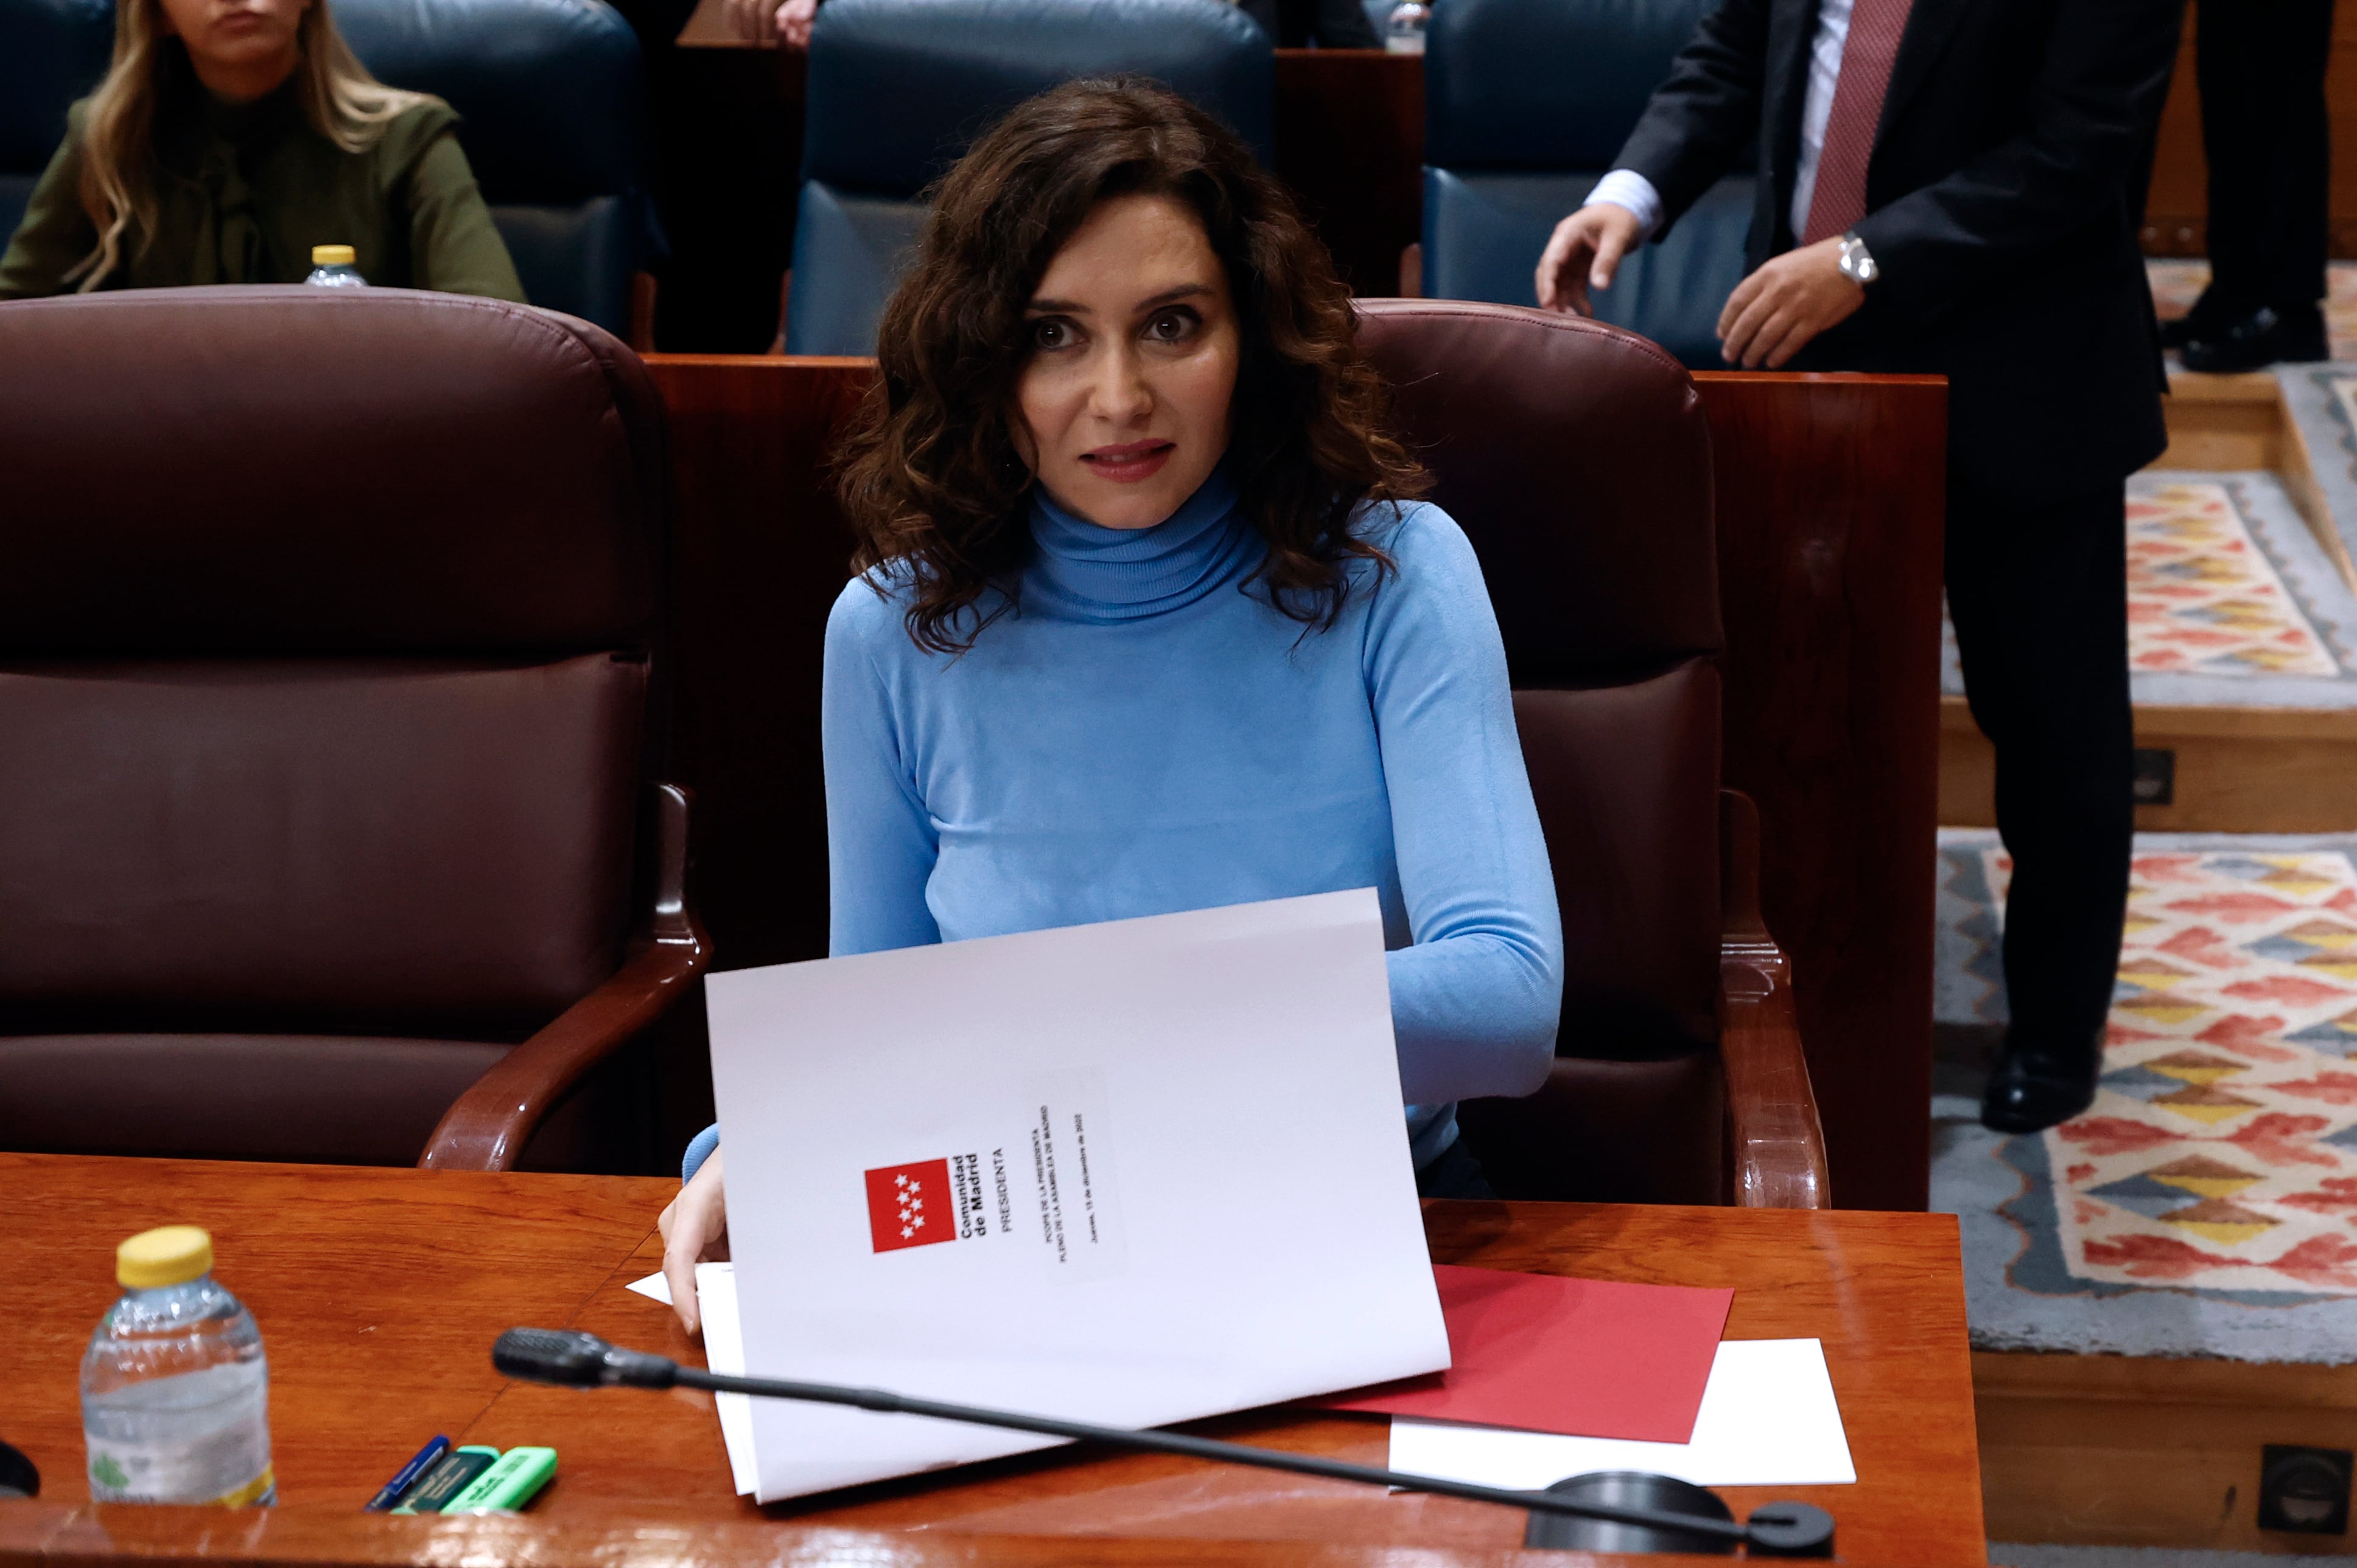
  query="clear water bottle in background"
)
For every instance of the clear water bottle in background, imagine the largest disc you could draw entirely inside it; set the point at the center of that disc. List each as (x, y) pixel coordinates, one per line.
(331, 267)
(1405, 34)
(174, 1391)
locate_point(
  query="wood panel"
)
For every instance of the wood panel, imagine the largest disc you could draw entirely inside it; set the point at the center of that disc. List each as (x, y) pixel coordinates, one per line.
(2223, 423)
(2178, 205)
(2130, 1451)
(1349, 142)
(1831, 509)
(2238, 770)
(379, 1292)
(759, 553)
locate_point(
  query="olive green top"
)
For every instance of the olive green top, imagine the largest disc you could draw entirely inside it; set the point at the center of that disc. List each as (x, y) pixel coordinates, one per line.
(244, 191)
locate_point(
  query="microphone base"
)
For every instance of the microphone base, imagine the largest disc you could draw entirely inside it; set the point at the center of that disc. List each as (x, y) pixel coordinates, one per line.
(1631, 1489)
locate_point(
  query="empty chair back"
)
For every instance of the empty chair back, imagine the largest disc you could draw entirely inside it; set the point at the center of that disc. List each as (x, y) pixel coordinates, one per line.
(1525, 104)
(1576, 458)
(51, 53)
(898, 87)
(553, 99)
(325, 663)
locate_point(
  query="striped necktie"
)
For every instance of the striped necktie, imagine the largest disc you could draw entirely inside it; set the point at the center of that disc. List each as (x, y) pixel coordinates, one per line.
(1839, 200)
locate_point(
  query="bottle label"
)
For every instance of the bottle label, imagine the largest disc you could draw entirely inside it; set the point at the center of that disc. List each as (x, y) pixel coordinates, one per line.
(182, 1472)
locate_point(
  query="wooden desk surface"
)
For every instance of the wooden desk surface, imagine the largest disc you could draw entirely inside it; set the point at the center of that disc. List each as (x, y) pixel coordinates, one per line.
(379, 1292)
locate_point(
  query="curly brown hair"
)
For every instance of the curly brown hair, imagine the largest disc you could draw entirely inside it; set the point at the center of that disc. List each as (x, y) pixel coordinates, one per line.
(932, 478)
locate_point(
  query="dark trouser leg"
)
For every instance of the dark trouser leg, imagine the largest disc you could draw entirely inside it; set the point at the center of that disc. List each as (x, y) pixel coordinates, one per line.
(2039, 594)
(2264, 131)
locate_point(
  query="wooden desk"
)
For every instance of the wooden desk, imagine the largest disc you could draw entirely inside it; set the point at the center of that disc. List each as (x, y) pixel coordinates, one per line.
(379, 1292)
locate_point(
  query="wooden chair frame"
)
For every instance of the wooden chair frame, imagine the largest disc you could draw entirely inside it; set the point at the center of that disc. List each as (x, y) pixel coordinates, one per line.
(485, 1128)
(1776, 1147)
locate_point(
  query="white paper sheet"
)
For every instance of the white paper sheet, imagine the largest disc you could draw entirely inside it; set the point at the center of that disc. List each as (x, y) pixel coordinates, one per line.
(724, 1352)
(1768, 1419)
(1178, 1179)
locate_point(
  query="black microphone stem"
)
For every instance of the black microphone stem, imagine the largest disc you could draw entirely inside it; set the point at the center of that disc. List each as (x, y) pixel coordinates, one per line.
(1160, 1441)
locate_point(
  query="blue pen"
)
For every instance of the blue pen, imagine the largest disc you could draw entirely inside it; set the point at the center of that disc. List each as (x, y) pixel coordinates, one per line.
(408, 1475)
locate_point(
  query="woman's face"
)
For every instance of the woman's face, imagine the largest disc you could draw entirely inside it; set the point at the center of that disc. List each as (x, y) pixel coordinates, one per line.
(1134, 347)
(242, 48)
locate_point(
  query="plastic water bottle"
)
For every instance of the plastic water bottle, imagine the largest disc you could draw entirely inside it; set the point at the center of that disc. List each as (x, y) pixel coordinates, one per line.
(331, 267)
(1404, 35)
(175, 1390)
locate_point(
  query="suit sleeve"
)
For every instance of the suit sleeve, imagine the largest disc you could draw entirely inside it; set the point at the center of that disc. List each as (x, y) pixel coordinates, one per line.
(1475, 998)
(881, 840)
(2107, 68)
(1700, 121)
(453, 245)
(55, 233)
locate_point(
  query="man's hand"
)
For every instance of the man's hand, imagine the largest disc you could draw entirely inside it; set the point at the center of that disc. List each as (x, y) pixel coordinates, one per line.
(794, 19)
(1773, 314)
(1583, 253)
(694, 1226)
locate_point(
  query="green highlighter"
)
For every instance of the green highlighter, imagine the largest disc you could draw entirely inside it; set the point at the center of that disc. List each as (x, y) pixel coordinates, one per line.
(509, 1483)
(458, 1470)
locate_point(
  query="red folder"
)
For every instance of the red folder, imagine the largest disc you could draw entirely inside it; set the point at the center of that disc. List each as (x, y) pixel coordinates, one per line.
(1584, 1357)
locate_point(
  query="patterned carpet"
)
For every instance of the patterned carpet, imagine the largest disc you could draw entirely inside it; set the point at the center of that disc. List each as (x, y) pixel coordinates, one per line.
(2207, 1203)
(2202, 595)
(2221, 1150)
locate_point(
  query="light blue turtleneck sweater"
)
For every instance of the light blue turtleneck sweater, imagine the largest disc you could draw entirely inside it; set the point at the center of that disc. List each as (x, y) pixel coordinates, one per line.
(1142, 732)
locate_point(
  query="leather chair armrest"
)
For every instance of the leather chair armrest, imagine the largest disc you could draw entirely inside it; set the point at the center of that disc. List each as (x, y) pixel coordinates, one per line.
(485, 1128)
(1778, 1144)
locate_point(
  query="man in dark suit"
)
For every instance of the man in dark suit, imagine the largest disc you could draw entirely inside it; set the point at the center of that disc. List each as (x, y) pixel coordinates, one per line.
(1942, 188)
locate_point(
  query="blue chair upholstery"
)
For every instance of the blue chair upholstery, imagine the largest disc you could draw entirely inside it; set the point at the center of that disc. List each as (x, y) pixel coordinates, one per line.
(51, 53)
(1525, 104)
(898, 88)
(554, 99)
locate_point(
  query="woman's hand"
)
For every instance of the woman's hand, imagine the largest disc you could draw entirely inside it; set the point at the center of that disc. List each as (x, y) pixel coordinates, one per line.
(794, 19)
(694, 1226)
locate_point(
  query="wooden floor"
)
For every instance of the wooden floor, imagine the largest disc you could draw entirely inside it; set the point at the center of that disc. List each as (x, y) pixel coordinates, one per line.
(2238, 770)
(2125, 1451)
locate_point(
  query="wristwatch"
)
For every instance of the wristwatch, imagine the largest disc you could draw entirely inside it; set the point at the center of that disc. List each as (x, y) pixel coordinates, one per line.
(1857, 262)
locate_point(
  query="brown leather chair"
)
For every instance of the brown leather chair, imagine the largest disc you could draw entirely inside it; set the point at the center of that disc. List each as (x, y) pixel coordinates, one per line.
(1576, 458)
(328, 648)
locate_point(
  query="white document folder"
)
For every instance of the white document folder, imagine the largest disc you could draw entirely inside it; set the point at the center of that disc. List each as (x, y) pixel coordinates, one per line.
(1131, 1173)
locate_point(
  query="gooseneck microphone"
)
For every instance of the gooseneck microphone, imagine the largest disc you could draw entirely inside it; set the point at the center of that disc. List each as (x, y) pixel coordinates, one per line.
(1603, 1513)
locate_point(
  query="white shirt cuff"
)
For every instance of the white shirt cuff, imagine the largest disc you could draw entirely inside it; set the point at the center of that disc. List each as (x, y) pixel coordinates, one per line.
(1625, 188)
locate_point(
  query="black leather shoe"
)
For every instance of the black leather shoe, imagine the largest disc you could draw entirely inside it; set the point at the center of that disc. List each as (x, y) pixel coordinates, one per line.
(2265, 337)
(2177, 331)
(2036, 1086)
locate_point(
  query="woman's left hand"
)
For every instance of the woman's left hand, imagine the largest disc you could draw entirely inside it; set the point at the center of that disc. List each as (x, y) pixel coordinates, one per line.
(694, 1226)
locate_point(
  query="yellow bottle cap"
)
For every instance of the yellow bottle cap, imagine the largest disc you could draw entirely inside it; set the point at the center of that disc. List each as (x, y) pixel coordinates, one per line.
(333, 255)
(171, 1255)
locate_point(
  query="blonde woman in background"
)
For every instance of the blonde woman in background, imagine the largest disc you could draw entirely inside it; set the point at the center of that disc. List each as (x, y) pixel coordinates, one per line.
(229, 138)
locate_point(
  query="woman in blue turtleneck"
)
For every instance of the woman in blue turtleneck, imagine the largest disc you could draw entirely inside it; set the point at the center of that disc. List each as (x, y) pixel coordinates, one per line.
(1149, 619)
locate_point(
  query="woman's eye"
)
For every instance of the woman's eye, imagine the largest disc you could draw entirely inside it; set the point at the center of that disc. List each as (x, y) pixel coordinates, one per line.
(1172, 327)
(1050, 334)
